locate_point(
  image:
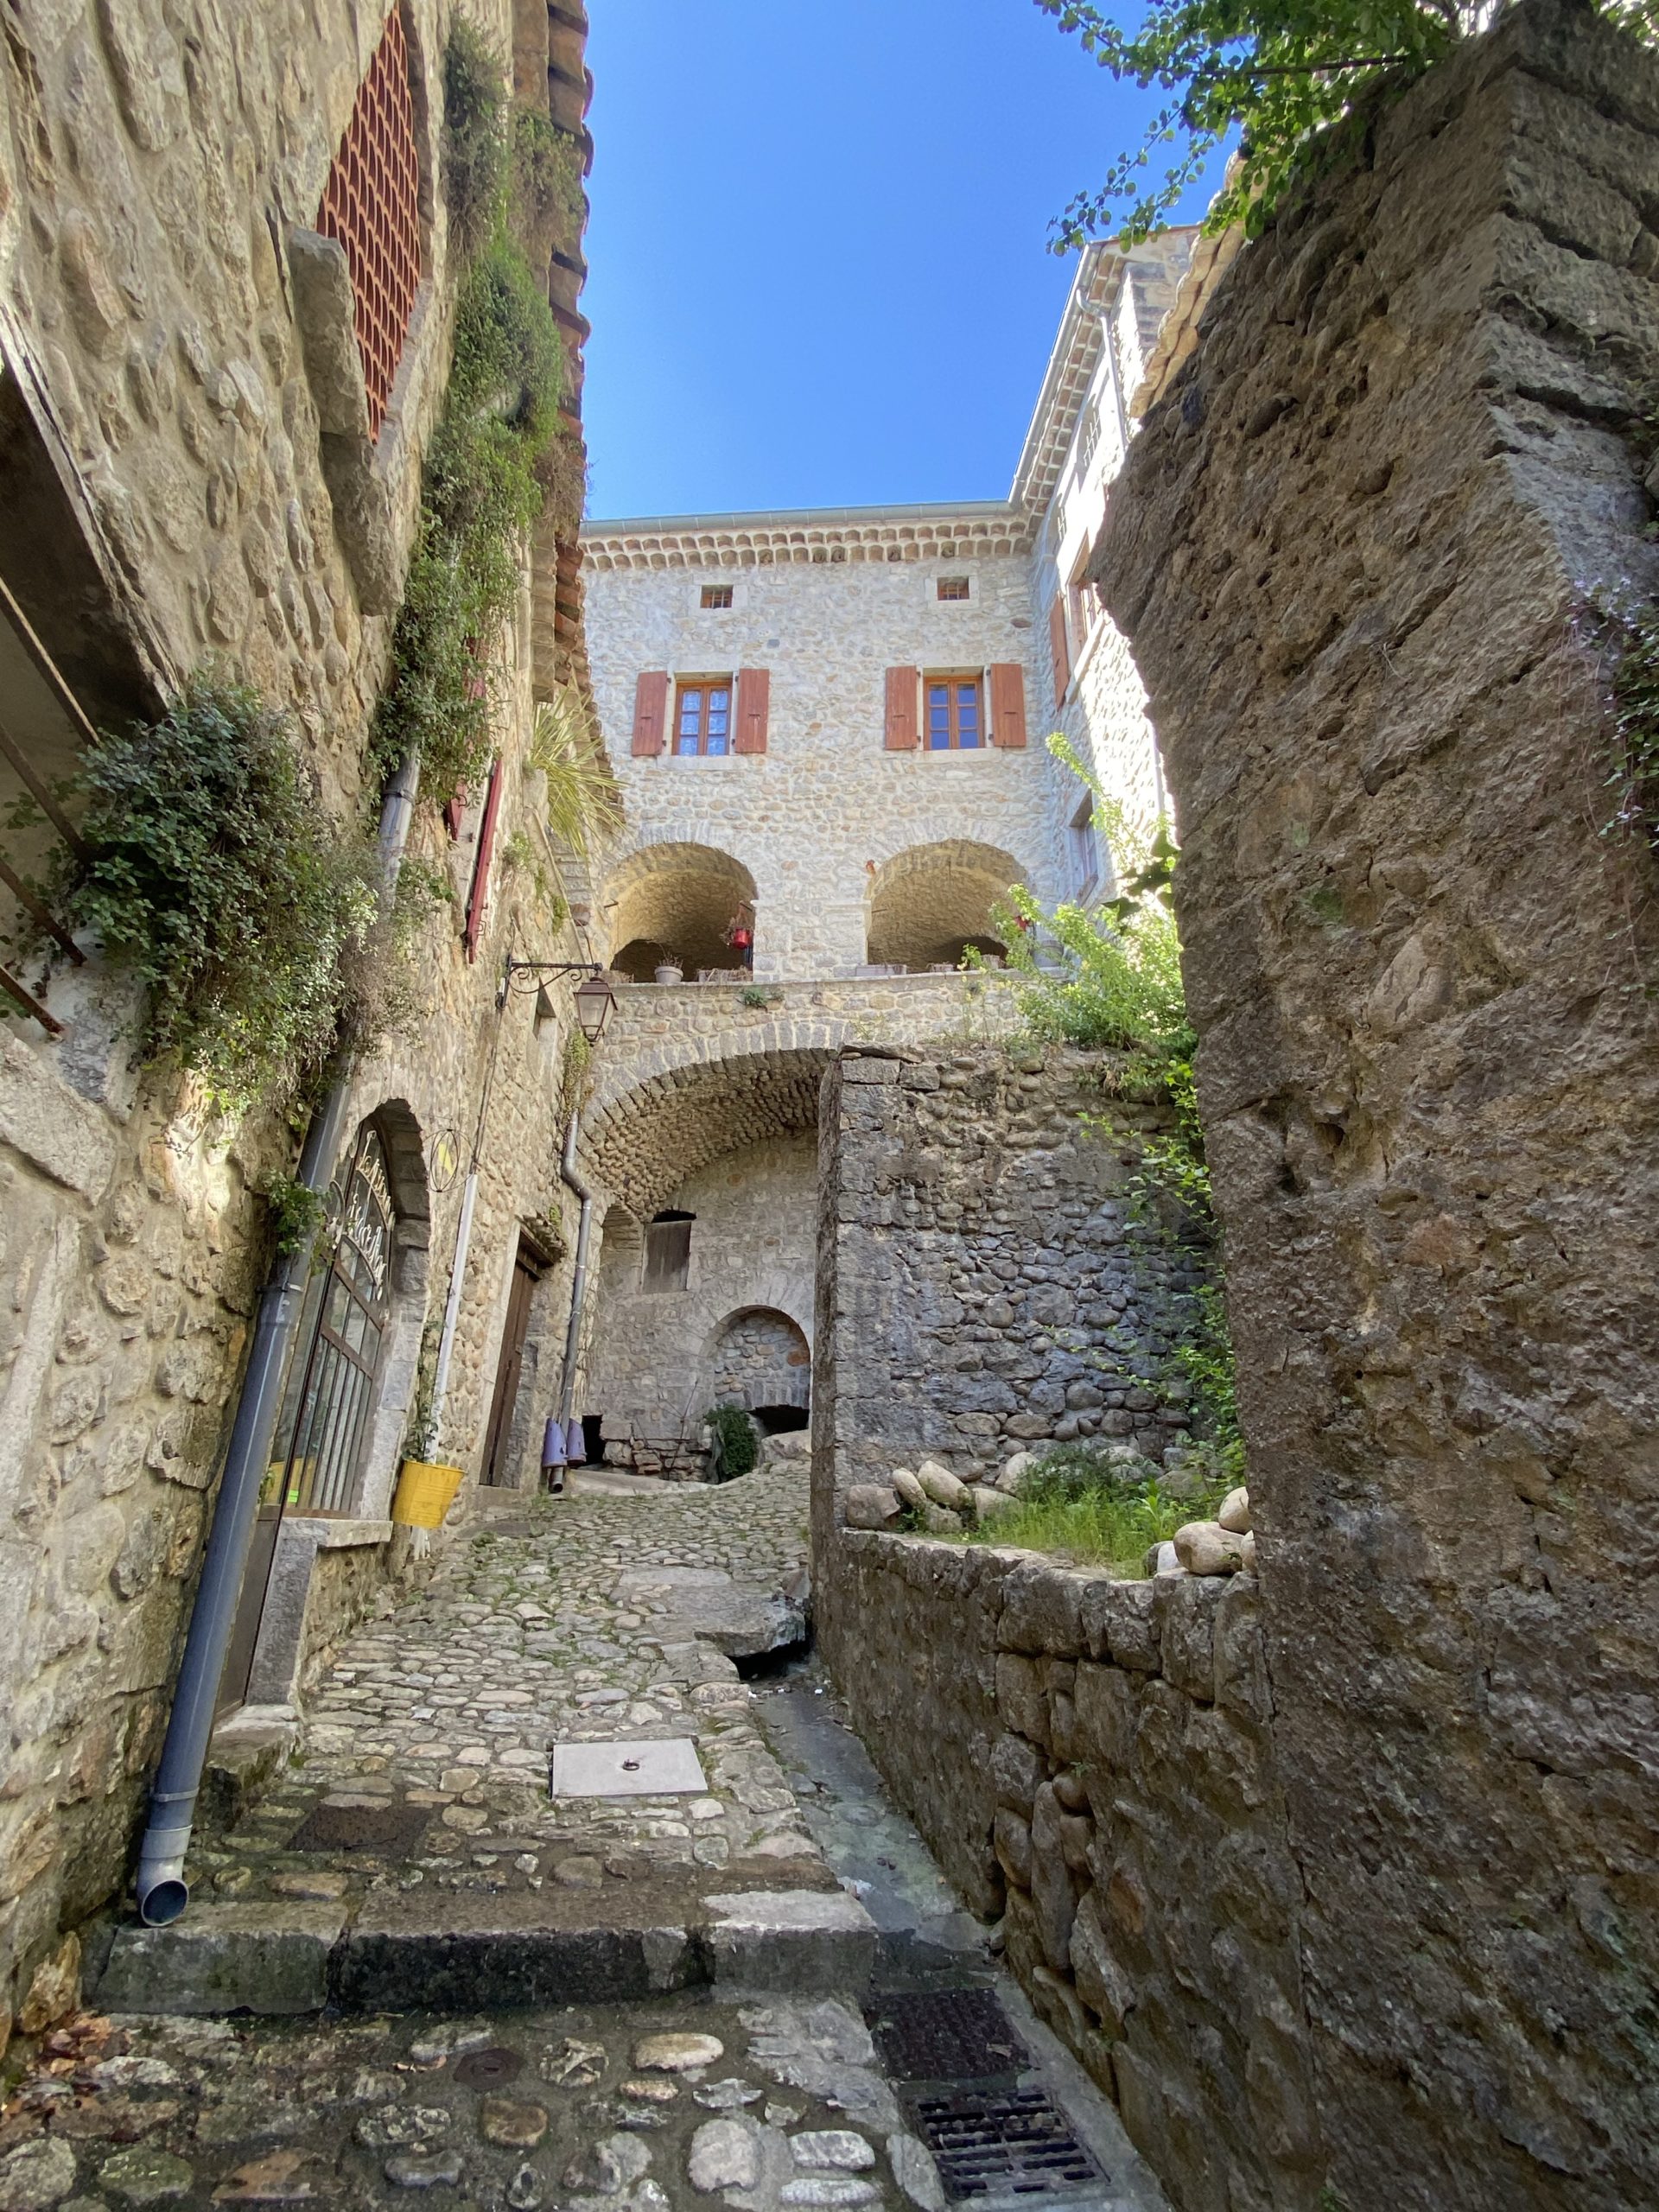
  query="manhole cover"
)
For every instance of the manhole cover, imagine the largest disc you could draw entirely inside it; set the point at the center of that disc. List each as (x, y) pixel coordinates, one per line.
(948, 2035)
(668, 1767)
(393, 1828)
(1012, 2145)
(487, 2069)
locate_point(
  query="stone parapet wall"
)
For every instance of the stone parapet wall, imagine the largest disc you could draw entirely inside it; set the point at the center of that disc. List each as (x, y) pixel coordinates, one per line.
(1355, 550)
(1093, 1759)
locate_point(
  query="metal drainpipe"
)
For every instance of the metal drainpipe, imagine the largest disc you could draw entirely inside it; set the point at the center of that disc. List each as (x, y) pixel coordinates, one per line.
(579, 1279)
(163, 1891)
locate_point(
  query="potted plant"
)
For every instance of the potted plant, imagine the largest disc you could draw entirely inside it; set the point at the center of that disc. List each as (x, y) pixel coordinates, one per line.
(670, 969)
(426, 1487)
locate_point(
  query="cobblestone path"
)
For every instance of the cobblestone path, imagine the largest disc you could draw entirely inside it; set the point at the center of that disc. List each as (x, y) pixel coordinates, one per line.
(769, 2105)
(423, 1757)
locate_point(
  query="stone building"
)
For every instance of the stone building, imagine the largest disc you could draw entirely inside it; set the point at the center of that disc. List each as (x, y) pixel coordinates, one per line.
(829, 731)
(227, 274)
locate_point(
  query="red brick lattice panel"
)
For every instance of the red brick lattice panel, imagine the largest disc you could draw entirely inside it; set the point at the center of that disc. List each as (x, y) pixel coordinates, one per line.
(372, 205)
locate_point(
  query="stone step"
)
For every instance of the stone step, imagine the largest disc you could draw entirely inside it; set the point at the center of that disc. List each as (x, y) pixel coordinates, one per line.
(412, 1950)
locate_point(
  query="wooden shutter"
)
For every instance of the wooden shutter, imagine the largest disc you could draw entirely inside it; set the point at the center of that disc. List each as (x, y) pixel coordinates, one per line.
(650, 713)
(1007, 703)
(1058, 647)
(902, 686)
(753, 704)
(478, 902)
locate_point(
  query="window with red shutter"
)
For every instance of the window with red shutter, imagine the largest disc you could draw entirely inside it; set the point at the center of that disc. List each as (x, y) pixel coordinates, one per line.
(1059, 646)
(903, 684)
(955, 709)
(650, 712)
(372, 205)
(479, 898)
(753, 707)
(1007, 682)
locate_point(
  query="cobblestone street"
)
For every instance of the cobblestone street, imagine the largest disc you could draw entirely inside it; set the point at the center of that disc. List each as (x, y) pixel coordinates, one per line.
(603, 2109)
(424, 1756)
(422, 1773)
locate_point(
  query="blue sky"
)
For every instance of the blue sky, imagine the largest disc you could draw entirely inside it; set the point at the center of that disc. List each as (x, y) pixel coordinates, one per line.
(817, 273)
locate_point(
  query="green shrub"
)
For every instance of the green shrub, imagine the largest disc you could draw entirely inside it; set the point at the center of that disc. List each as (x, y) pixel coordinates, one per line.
(1101, 1505)
(482, 488)
(295, 1213)
(737, 1443)
(475, 135)
(214, 876)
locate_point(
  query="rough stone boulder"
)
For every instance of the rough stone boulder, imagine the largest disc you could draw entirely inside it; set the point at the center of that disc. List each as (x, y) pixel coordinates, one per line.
(1205, 1547)
(872, 1505)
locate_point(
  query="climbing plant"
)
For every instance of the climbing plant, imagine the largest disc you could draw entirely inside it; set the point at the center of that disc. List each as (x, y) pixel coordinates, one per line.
(215, 876)
(1282, 77)
(480, 488)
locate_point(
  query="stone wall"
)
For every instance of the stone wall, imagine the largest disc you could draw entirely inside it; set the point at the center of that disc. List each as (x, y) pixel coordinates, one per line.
(1090, 1758)
(988, 1256)
(1353, 550)
(1094, 1764)
(651, 1368)
(155, 160)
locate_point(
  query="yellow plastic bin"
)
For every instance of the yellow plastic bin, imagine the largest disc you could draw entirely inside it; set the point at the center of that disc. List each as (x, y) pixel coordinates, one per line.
(425, 1493)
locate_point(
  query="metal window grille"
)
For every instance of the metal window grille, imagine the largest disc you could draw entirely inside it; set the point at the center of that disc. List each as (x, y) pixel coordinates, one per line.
(372, 205)
(331, 1390)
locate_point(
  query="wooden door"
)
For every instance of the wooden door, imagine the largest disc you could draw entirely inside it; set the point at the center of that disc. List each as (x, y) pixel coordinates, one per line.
(527, 1272)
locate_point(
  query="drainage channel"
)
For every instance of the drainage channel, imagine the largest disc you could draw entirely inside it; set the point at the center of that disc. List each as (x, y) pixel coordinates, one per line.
(1011, 2121)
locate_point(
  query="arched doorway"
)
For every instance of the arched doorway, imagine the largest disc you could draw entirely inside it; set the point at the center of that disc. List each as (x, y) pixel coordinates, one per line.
(360, 1318)
(681, 905)
(931, 904)
(761, 1361)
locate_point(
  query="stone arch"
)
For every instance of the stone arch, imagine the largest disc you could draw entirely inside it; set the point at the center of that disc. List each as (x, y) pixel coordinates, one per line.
(931, 902)
(684, 1104)
(399, 1130)
(674, 897)
(759, 1355)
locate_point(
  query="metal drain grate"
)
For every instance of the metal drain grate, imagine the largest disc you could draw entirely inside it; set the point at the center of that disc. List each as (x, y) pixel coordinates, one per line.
(1012, 2145)
(947, 2035)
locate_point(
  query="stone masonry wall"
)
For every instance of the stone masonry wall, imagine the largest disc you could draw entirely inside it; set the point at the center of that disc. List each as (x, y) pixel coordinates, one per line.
(1352, 550)
(651, 1365)
(154, 159)
(1091, 1758)
(826, 800)
(988, 1259)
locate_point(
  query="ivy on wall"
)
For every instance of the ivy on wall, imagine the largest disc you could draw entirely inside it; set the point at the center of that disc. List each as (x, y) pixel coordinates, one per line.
(482, 486)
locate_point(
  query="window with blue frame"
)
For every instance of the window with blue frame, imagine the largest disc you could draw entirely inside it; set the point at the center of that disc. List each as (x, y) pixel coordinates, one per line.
(955, 721)
(703, 716)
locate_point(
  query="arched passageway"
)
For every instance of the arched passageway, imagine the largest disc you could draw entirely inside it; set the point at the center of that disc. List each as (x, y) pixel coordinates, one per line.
(679, 905)
(930, 904)
(760, 1361)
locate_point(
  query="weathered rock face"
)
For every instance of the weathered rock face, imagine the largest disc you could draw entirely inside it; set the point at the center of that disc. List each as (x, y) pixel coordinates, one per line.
(1352, 551)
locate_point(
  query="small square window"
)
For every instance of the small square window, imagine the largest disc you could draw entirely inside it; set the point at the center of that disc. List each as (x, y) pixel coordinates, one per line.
(668, 1251)
(716, 595)
(953, 587)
